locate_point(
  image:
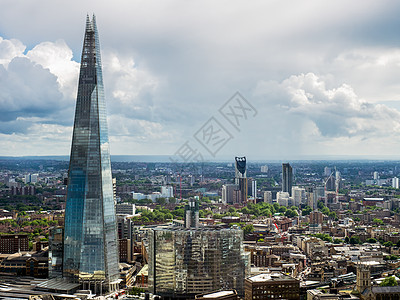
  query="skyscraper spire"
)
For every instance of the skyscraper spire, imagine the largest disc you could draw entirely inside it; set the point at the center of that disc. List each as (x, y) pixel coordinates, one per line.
(90, 242)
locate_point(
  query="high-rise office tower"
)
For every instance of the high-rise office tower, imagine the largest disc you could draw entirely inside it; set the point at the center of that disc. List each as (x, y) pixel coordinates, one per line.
(241, 177)
(90, 241)
(287, 178)
(185, 262)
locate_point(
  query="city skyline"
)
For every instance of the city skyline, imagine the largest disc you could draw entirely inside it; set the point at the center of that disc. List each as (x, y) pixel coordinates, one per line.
(322, 77)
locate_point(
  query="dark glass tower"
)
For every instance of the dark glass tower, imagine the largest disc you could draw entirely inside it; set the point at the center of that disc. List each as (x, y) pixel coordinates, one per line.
(90, 241)
(241, 178)
(287, 178)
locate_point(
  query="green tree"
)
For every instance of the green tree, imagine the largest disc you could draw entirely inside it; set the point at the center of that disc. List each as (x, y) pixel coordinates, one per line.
(355, 240)
(389, 281)
(248, 229)
(135, 291)
(337, 241)
(217, 216)
(320, 205)
(282, 209)
(377, 221)
(291, 213)
(388, 244)
(325, 211)
(332, 215)
(371, 240)
(161, 201)
(179, 212)
(232, 209)
(306, 211)
(245, 210)
(202, 213)
(391, 257)
(266, 212)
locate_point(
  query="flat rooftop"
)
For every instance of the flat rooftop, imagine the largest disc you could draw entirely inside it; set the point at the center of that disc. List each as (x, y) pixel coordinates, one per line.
(269, 277)
(219, 294)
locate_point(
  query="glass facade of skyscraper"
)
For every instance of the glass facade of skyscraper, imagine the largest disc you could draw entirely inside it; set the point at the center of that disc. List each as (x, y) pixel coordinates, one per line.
(90, 242)
(192, 261)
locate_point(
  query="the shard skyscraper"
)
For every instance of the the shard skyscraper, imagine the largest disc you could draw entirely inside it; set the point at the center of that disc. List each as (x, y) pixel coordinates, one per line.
(90, 240)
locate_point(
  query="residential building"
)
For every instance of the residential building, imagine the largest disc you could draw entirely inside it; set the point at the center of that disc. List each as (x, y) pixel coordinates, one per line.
(125, 209)
(268, 197)
(229, 193)
(12, 243)
(287, 178)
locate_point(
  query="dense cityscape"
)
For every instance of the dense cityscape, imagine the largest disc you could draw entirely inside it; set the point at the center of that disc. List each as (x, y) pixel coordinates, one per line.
(95, 226)
(317, 226)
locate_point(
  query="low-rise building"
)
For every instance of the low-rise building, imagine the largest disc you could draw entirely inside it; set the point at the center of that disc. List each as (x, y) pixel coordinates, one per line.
(271, 286)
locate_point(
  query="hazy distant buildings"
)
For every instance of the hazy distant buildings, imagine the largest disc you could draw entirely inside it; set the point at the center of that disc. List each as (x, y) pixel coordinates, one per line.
(299, 195)
(283, 198)
(319, 195)
(264, 169)
(338, 182)
(395, 182)
(31, 178)
(327, 171)
(330, 183)
(287, 178)
(167, 191)
(252, 188)
(230, 193)
(268, 197)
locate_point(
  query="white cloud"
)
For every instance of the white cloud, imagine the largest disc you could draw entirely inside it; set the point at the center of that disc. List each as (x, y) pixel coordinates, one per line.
(169, 66)
(26, 89)
(10, 49)
(57, 57)
(129, 89)
(323, 120)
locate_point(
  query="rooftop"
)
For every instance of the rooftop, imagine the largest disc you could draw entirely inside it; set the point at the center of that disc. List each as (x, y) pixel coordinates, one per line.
(269, 277)
(219, 294)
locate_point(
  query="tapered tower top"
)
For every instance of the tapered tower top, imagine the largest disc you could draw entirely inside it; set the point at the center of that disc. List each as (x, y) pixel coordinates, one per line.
(90, 241)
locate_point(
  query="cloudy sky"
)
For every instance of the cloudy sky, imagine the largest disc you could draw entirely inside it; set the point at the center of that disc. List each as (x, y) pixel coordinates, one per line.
(320, 78)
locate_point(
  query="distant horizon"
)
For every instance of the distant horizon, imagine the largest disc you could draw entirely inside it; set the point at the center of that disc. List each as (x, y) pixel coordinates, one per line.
(166, 158)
